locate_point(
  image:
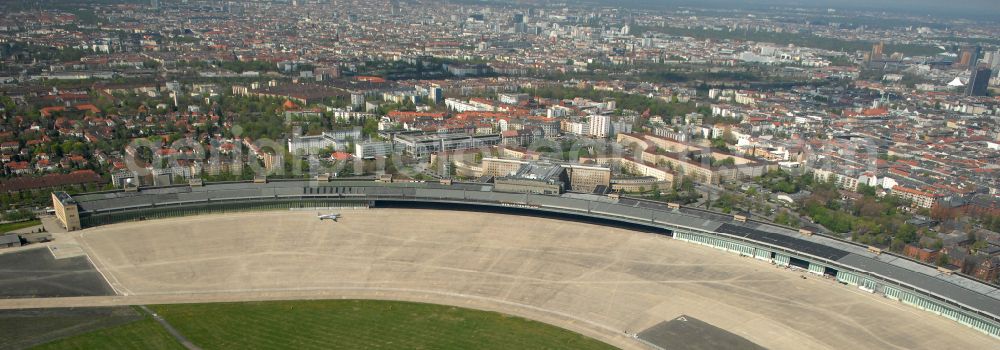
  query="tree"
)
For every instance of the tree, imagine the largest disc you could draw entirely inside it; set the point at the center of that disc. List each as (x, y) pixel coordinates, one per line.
(784, 218)
(8, 104)
(907, 233)
(938, 244)
(370, 128)
(728, 136)
(944, 213)
(869, 207)
(866, 190)
(979, 246)
(942, 259)
(687, 184)
(18, 215)
(897, 245)
(720, 144)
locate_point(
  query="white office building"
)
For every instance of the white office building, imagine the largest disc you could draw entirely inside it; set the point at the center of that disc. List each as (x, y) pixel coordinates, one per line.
(600, 125)
(372, 149)
(306, 145)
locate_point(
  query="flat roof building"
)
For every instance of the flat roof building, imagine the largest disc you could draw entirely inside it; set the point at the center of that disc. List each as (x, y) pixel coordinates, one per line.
(310, 144)
(501, 167)
(10, 241)
(372, 149)
(419, 144)
(575, 177)
(533, 178)
(583, 178)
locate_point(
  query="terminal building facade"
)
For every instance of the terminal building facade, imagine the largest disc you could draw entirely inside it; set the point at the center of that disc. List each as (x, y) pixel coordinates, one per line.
(66, 211)
(546, 176)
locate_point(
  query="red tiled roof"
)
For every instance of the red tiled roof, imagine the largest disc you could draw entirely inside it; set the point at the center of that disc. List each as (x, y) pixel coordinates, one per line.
(340, 155)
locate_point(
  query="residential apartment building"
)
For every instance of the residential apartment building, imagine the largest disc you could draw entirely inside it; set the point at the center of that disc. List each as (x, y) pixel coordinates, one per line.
(919, 198)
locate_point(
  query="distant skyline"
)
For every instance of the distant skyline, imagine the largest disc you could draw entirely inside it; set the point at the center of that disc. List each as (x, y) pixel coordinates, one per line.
(979, 9)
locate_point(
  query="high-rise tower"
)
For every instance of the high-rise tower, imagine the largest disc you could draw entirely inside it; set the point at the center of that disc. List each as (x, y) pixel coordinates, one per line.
(979, 81)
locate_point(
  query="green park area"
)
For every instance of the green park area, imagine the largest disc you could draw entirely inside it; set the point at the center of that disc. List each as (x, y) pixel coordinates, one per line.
(11, 226)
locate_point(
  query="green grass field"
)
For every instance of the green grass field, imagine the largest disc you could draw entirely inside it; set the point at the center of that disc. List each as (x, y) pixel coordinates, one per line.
(24, 328)
(333, 324)
(142, 334)
(4, 228)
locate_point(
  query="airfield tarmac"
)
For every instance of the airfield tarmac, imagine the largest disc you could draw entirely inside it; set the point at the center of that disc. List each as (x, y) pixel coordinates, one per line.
(597, 280)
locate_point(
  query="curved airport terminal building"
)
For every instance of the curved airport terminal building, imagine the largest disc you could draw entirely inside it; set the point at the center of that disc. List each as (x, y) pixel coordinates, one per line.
(904, 281)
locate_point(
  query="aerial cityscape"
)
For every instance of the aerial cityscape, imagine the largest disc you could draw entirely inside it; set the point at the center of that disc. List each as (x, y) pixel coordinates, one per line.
(499, 174)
